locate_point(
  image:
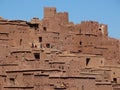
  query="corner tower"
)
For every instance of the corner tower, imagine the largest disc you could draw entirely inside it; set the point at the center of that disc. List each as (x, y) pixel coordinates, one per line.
(49, 12)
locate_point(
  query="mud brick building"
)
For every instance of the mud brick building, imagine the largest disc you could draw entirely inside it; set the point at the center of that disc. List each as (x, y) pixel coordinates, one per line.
(55, 54)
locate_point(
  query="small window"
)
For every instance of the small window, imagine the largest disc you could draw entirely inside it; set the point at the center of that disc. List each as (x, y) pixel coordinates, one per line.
(44, 28)
(79, 51)
(115, 79)
(20, 41)
(62, 67)
(114, 73)
(59, 67)
(48, 45)
(80, 43)
(64, 71)
(87, 61)
(12, 81)
(37, 55)
(40, 39)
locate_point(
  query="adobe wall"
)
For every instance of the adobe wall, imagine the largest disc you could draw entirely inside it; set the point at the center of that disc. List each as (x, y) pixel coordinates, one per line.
(52, 53)
(104, 86)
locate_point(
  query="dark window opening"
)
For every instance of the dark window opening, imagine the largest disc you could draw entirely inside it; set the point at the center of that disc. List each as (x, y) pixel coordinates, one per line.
(48, 45)
(87, 61)
(59, 67)
(115, 80)
(62, 67)
(100, 29)
(79, 51)
(37, 55)
(20, 41)
(114, 73)
(40, 39)
(12, 80)
(35, 26)
(80, 43)
(44, 28)
(64, 71)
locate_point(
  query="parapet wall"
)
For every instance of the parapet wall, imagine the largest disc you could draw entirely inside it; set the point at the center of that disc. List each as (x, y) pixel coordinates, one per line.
(49, 12)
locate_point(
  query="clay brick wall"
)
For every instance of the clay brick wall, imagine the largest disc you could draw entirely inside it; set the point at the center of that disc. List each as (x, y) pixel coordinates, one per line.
(63, 17)
(55, 43)
(104, 87)
(49, 12)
